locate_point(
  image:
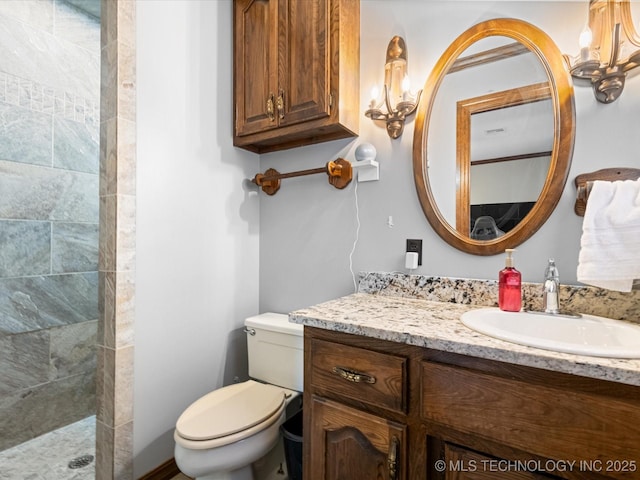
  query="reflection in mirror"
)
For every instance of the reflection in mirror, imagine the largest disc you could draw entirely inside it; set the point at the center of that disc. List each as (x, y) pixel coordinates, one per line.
(494, 137)
(504, 143)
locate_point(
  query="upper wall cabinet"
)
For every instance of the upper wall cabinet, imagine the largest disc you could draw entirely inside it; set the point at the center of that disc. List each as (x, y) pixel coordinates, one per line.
(296, 72)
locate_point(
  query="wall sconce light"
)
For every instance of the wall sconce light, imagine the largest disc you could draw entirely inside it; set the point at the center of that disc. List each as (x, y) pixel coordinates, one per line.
(397, 99)
(609, 47)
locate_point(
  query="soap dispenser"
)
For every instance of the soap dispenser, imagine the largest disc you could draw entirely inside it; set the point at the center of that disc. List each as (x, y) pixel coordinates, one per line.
(550, 293)
(509, 285)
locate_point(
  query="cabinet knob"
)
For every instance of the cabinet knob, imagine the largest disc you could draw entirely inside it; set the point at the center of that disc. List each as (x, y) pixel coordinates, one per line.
(270, 108)
(353, 376)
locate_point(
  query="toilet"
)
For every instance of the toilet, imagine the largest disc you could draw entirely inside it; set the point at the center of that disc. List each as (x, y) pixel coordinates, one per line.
(222, 434)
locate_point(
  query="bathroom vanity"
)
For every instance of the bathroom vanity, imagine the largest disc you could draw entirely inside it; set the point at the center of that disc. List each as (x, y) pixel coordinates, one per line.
(399, 389)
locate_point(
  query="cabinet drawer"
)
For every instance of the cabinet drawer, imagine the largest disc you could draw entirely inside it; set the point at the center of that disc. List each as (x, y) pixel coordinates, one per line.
(369, 377)
(545, 420)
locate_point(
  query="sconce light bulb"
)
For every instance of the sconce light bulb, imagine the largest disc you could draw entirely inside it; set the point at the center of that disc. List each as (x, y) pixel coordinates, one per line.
(585, 38)
(406, 83)
(374, 93)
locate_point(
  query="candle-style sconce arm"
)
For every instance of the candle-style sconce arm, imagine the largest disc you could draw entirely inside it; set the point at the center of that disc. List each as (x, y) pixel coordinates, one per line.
(610, 47)
(395, 76)
(394, 117)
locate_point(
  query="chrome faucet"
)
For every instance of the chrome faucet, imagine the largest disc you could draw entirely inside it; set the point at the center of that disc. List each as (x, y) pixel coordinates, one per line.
(550, 293)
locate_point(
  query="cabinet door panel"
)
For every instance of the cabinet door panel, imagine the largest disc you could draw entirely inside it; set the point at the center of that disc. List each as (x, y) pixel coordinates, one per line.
(546, 420)
(304, 60)
(463, 464)
(347, 444)
(256, 64)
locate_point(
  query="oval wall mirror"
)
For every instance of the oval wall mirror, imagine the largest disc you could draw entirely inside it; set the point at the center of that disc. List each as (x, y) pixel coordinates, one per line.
(494, 136)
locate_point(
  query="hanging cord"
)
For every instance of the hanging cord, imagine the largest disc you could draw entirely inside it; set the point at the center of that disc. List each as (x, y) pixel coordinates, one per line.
(355, 242)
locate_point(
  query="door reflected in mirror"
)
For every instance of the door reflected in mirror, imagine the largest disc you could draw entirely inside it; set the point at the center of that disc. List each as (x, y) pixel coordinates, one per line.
(504, 143)
(494, 136)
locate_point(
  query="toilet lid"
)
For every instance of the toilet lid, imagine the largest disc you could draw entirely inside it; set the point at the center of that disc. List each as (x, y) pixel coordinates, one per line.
(230, 410)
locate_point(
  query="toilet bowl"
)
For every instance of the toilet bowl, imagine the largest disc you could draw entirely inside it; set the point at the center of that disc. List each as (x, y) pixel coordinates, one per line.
(220, 435)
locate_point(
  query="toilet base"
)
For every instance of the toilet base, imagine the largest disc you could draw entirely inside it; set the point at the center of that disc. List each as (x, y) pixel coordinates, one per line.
(270, 467)
(244, 473)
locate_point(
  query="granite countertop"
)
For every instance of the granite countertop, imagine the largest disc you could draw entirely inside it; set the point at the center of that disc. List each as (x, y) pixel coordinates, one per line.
(436, 325)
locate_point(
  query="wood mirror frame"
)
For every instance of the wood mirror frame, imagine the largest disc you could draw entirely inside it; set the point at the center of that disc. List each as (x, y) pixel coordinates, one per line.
(561, 90)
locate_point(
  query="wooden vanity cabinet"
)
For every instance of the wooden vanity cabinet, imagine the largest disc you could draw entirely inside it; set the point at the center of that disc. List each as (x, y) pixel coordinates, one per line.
(296, 72)
(441, 416)
(355, 404)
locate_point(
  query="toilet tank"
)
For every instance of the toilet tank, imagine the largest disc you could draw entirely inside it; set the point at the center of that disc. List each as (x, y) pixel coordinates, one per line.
(275, 348)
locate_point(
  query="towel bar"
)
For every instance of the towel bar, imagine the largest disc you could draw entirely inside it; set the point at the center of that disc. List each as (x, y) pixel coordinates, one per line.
(339, 175)
(584, 182)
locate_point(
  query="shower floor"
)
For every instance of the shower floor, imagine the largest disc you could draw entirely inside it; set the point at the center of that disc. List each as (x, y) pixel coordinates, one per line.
(47, 457)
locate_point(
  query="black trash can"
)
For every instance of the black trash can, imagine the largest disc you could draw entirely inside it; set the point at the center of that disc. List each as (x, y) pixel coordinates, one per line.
(292, 432)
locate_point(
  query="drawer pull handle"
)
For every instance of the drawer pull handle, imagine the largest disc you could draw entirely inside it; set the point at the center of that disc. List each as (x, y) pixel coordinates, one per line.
(393, 458)
(353, 376)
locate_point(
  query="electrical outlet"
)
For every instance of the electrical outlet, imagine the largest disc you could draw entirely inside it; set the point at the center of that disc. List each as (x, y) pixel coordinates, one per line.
(415, 246)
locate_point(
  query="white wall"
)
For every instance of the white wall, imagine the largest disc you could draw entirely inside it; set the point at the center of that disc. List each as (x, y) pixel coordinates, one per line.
(197, 229)
(308, 228)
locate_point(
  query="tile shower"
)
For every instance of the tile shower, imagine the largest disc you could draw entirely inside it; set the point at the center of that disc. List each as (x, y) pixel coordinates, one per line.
(49, 173)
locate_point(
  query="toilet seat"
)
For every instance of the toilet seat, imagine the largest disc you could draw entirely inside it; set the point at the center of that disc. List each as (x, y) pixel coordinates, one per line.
(230, 414)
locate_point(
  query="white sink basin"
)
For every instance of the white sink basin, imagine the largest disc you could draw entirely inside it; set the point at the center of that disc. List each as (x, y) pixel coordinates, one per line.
(587, 335)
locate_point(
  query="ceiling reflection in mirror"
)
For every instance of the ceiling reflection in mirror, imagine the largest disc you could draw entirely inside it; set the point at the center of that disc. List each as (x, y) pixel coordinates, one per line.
(490, 144)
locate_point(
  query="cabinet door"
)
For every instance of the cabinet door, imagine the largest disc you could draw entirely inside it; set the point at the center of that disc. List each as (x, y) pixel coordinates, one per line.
(463, 464)
(347, 444)
(304, 69)
(255, 65)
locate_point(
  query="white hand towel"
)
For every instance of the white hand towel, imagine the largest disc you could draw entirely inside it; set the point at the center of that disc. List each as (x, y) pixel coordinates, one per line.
(610, 244)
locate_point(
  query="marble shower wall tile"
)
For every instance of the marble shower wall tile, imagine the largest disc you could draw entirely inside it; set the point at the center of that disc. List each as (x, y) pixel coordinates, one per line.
(115, 405)
(34, 303)
(117, 249)
(38, 97)
(105, 446)
(76, 145)
(28, 360)
(73, 350)
(117, 303)
(25, 248)
(118, 76)
(74, 247)
(126, 238)
(36, 193)
(33, 411)
(118, 153)
(77, 27)
(49, 176)
(24, 361)
(37, 13)
(115, 369)
(34, 54)
(25, 135)
(123, 451)
(114, 457)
